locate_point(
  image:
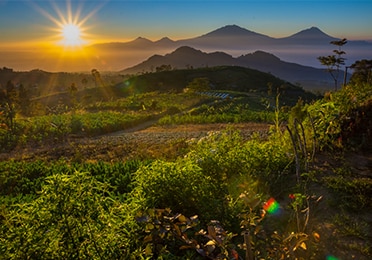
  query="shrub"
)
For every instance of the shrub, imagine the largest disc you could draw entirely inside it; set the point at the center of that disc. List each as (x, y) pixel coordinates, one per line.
(181, 186)
(73, 217)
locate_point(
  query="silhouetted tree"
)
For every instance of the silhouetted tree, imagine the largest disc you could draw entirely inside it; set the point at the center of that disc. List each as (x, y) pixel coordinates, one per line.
(84, 81)
(97, 78)
(24, 100)
(8, 101)
(163, 67)
(362, 71)
(73, 90)
(334, 62)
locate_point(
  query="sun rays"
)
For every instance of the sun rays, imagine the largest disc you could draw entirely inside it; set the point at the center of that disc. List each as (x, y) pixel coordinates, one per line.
(67, 34)
(69, 27)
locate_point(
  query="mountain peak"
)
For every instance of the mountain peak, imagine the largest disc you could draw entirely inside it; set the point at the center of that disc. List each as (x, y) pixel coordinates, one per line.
(311, 33)
(260, 56)
(231, 30)
(186, 50)
(142, 39)
(165, 39)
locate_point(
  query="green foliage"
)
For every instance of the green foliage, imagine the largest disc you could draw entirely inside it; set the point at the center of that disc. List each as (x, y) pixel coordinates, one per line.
(73, 217)
(236, 111)
(225, 156)
(181, 186)
(232, 78)
(101, 210)
(199, 84)
(331, 117)
(96, 119)
(23, 178)
(352, 193)
(362, 72)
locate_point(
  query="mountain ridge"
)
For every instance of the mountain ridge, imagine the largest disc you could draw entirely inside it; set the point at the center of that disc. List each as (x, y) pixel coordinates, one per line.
(302, 47)
(223, 31)
(188, 57)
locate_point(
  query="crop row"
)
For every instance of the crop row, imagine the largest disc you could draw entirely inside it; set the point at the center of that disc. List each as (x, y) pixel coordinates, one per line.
(221, 112)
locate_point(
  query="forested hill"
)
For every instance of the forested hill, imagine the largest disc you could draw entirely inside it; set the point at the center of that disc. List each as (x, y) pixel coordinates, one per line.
(231, 78)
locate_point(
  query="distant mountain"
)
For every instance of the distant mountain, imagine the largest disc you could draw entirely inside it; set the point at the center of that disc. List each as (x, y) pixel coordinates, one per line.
(230, 35)
(311, 36)
(165, 42)
(302, 47)
(187, 57)
(183, 57)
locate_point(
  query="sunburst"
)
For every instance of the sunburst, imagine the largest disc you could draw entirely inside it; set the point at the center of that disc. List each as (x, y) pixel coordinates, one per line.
(69, 25)
(71, 34)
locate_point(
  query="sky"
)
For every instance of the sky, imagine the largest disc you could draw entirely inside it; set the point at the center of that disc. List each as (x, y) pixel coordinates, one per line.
(26, 24)
(27, 21)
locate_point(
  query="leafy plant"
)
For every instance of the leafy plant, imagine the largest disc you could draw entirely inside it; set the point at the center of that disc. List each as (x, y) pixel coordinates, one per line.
(73, 217)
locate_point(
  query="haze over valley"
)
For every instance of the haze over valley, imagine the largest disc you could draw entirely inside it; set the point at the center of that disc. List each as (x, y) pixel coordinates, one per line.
(302, 47)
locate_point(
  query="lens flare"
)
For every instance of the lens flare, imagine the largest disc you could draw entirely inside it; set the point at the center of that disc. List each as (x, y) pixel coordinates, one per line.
(271, 206)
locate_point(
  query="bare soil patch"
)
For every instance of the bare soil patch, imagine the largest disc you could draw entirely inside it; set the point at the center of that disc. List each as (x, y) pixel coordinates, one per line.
(141, 142)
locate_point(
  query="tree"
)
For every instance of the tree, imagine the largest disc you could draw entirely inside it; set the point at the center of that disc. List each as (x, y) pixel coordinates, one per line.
(24, 100)
(199, 84)
(362, 71)
(97, 78)
(334, 62)
(164, 67)
(73, 90)
(84, 81)
(8, 101)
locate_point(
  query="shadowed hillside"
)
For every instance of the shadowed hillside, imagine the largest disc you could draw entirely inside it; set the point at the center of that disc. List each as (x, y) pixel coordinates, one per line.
(186, 57)
(232, 78)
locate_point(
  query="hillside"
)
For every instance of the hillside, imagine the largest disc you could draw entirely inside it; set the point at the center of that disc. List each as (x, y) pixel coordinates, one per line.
(44, 83)
(232, 78)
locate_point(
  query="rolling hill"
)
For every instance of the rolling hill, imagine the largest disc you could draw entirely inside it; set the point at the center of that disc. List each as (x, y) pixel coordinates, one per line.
(229, 78)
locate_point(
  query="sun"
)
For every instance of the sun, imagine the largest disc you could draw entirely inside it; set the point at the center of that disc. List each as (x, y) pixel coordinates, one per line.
(69, 23)
(71, 35)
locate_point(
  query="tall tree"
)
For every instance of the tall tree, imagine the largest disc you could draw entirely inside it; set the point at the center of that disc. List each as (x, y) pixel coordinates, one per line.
(335, 61)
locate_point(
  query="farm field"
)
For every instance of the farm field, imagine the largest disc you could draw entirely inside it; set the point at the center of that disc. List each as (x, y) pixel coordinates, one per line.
(171, 175)
(129, 144)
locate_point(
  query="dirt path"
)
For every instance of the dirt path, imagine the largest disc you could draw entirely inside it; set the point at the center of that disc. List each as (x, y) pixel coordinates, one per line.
(144, 141)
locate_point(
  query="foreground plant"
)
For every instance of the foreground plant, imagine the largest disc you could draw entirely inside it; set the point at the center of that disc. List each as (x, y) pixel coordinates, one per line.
(73, 217)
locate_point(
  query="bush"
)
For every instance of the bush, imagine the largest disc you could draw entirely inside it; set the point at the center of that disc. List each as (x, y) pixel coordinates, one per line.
(181, 186)
(72, 218)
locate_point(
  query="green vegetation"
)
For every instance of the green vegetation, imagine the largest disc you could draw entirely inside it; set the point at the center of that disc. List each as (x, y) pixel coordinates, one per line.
(244, 108)
(92, 120)
(226, 78)
(282, 196)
